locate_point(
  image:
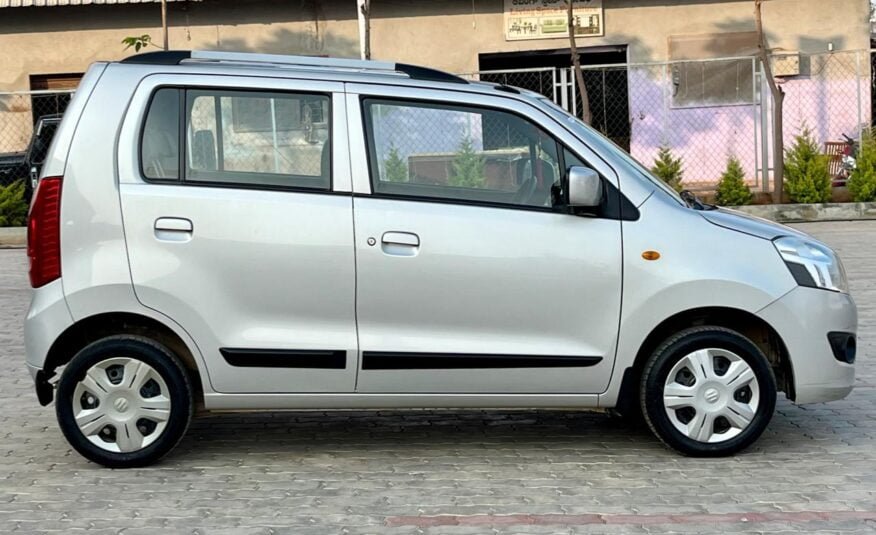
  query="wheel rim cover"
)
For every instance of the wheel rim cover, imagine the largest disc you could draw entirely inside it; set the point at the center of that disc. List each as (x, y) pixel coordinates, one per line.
(110, 407)
(711, 395)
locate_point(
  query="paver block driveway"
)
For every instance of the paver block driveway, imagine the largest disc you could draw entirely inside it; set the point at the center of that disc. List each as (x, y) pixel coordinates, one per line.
(448, 471)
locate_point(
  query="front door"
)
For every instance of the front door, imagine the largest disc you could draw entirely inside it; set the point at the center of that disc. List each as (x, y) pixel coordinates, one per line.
(242, 241)
(472, 276)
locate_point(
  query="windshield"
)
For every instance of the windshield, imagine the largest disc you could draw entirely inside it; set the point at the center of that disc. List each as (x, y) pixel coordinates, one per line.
(601, 143)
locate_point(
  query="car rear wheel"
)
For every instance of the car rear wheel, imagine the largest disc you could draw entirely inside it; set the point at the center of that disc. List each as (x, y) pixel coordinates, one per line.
(124, 401)
(708, 391)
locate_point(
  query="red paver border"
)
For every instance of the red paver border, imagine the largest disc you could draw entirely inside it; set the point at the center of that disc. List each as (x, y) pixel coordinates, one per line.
(794, 517)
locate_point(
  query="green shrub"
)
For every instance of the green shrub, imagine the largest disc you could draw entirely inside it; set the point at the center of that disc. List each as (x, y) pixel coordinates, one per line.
(468, 167)
(395, 167)
(732, 190)
(862, 183)
(13, 210)
(807, 179)
(668, 168)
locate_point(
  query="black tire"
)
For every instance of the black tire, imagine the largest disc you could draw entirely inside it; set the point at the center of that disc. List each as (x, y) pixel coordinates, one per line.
(163, 361)
(669, 353)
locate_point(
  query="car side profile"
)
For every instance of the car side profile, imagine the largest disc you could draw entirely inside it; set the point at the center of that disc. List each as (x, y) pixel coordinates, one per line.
(243, 231)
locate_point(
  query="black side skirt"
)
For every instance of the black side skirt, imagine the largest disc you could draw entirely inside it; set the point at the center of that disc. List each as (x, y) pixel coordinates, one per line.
(382, 360)
(286, 358)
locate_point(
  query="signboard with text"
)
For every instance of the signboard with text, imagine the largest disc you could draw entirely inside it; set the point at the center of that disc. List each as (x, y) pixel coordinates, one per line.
(547, 19)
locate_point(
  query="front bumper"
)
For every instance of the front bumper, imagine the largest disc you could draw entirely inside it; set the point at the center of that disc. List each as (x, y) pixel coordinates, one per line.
(803, 318)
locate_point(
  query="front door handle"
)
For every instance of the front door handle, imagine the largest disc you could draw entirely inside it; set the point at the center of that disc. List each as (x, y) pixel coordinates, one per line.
(173, 229)
(400, 243)
(401, 238)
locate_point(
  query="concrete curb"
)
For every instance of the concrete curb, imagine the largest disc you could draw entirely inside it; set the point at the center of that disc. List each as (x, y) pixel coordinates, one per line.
(799, 213)
(13, 237)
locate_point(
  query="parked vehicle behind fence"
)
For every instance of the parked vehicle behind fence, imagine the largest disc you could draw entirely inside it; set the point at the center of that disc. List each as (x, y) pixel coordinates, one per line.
(276, 232)
(26, 165)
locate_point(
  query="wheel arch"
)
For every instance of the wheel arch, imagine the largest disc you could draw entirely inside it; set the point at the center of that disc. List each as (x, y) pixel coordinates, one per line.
(761, 333)
(92, 328)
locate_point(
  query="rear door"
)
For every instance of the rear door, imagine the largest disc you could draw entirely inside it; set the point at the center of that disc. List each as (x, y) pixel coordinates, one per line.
(472, 276)
(238, 219)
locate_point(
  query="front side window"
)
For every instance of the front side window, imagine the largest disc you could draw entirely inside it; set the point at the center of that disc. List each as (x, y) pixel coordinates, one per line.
(250, 138)
(470, 154)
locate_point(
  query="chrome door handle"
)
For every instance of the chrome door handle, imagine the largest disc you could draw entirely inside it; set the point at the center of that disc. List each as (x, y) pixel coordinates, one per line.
(401, 238)
(173, 229)
(400, 243)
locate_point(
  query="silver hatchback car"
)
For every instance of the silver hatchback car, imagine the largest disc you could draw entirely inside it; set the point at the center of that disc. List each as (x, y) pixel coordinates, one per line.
(250, 231)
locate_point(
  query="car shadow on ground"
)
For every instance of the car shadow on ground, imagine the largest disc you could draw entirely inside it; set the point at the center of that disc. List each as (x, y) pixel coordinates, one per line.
(427, 433)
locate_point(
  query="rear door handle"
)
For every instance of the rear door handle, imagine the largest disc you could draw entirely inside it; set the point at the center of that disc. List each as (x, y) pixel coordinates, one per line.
(173, 229)
(400, 243)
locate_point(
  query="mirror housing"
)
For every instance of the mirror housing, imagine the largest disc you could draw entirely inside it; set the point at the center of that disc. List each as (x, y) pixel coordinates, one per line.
(585, 187)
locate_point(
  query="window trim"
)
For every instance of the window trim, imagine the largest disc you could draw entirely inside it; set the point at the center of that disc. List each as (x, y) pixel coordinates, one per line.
(184, 121)
(371, 155)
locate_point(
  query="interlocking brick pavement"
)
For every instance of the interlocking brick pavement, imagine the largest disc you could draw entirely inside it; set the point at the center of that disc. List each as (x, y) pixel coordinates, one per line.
(455, 472)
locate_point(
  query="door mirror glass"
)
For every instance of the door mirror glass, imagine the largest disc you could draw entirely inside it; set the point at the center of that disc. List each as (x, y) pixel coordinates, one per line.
(585, 187)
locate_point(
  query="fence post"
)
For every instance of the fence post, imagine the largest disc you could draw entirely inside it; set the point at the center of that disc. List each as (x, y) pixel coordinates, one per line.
(764, 130)
(754, 114)
(858, 87)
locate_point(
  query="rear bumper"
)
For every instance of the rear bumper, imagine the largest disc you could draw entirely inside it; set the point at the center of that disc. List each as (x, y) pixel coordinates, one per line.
(803, 318)
(47, 318)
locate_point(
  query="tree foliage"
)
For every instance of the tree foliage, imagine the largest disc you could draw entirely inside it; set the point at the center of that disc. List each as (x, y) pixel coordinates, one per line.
(468, 167)
(732, 189)
(668, 168)
(807, 179)
(395, 167)
(13, 210)
(137, 42)
(862, 183)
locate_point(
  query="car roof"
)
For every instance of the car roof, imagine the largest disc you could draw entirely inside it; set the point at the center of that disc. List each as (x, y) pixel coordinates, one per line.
(317, 68)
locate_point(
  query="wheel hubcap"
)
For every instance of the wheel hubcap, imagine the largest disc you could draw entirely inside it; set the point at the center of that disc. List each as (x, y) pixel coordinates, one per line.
(121, 405)
(711, 395)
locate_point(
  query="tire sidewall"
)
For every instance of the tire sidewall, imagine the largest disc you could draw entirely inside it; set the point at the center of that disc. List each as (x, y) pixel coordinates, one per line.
(149, 352)
(668, 355)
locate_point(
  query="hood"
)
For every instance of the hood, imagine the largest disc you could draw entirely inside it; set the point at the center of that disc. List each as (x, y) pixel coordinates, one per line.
(749, 224)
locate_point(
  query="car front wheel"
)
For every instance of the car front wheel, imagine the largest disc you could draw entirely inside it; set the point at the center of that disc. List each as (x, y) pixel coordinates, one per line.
(708, 391)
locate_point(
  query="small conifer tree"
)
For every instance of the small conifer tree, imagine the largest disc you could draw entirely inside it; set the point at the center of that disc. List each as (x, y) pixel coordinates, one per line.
(668, 168)
(807, 179)
(862, 183)
(732, 190)
(468, 167)
(394, 166)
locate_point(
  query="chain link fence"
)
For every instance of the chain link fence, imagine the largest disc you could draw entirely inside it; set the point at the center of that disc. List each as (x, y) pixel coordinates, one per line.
(707, 111)
(20, 113)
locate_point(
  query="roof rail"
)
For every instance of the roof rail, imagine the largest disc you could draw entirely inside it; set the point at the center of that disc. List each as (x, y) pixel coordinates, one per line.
(176, 57)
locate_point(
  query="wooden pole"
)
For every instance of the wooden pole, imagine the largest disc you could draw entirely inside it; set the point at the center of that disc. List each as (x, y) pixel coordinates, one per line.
(778, 95)
(164, 22)
(576, 64)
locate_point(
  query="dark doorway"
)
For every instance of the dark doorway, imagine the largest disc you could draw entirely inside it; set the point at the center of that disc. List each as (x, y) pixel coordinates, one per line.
(51, 103)
(607, 88)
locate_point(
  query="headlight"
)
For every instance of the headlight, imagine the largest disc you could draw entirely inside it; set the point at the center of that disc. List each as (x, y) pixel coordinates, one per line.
(812, 264)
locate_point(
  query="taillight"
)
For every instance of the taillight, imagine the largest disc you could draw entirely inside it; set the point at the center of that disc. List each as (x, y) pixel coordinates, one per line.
(44, 232)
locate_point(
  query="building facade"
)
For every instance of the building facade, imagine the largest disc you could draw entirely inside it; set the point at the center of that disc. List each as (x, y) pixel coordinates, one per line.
(676, 73)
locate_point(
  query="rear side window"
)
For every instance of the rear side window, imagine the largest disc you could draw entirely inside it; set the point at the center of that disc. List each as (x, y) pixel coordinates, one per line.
(258, 139)
(159, 150)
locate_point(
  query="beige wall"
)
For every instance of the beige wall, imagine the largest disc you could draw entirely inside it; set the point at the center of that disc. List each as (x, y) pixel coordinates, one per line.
(68, 39)
(447, 34)
(450, 33)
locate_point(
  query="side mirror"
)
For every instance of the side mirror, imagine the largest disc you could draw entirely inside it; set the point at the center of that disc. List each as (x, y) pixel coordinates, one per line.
(585, 187)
